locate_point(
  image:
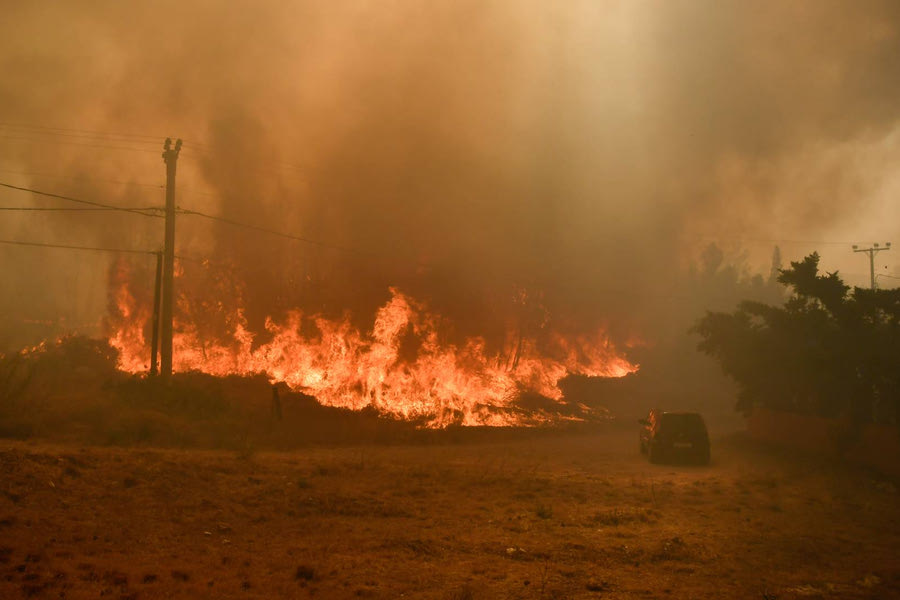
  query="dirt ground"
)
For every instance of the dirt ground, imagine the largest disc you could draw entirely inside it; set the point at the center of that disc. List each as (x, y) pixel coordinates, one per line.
(544, 515)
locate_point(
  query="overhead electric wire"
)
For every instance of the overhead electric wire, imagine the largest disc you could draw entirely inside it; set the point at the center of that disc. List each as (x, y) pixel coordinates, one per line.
(71, 247)
(64, 130)
(78, 136)
(16, 132)
(87, 134)
(65, 209)
(195, 192)
(137, 211)
(43, 141)
(208, 262)
(203, 261)
(79, 178)
(284, 166)
(274, 232)
(719, 238)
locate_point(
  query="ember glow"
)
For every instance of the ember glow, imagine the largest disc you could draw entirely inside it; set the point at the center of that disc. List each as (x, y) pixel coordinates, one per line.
(402, 368)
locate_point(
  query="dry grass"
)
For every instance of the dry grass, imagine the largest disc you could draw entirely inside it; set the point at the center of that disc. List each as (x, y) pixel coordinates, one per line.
(542, 516)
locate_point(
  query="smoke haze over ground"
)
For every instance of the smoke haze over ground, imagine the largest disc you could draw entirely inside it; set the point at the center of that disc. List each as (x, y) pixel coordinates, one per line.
(462, 151)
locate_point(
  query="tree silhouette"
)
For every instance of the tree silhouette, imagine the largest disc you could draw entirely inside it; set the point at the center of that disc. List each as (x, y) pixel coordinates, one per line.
(825, 352)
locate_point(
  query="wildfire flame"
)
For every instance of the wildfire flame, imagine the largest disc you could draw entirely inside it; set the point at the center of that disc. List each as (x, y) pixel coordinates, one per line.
(341, 366)
(131, 315)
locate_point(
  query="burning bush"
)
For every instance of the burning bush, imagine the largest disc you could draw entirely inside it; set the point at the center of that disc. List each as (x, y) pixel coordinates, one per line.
(406, 366)
(52, 366)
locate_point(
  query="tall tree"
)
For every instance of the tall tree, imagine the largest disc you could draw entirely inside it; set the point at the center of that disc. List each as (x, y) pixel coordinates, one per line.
(825, 351)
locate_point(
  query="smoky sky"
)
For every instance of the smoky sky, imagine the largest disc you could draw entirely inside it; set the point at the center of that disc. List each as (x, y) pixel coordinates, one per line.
(461, 151)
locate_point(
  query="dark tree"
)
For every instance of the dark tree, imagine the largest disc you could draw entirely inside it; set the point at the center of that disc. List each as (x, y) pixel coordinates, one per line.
(825, 351)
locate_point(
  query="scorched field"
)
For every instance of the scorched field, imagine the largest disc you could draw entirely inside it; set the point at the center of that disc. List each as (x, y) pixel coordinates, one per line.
(502, 514)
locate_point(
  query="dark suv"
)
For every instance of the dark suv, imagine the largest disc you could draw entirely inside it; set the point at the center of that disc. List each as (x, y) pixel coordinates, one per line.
(670, 436)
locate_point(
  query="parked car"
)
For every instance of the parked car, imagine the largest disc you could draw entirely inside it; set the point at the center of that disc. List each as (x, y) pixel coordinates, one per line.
(673, 436)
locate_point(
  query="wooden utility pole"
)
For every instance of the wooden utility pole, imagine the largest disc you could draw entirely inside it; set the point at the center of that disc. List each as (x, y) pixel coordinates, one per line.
(170, 156)
(154, 336)
(871, 252)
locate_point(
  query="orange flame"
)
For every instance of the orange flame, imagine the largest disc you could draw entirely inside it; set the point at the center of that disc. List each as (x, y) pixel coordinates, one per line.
(340, 366)
(126, 320)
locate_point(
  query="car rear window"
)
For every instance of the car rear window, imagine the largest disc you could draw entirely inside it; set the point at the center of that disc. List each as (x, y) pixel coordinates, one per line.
(690, 423)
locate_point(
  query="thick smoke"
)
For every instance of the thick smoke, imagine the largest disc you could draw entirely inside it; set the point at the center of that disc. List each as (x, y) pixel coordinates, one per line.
(463, 151)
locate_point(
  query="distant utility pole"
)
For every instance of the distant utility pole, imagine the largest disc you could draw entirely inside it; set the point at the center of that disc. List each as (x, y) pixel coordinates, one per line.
(170, 156)
(871, 252)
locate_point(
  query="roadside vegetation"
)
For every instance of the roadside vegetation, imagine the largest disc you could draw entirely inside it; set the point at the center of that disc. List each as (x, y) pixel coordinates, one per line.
(826, 351)
(70, 391)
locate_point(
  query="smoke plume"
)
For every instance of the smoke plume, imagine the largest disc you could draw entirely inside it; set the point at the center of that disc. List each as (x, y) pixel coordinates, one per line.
(470, 153)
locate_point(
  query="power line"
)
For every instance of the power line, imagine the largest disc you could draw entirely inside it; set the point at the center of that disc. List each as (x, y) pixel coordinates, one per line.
(66, 209)
(762, 241)
(18, 131)
(196, 259)
(78, 178)
(77, 136)
(88, 134)
(297, 169)
(221, 265)
(40, 141)
(207, 262)
(64, 130)
(282, 234)
(195, 192)
(68, 247)
(153, 213)
(137, 211)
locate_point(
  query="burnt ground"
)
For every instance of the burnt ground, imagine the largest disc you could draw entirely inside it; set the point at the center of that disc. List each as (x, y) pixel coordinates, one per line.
(566, 515)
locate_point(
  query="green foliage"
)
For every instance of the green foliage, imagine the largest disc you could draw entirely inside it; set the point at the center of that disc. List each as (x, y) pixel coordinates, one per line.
(825, 351)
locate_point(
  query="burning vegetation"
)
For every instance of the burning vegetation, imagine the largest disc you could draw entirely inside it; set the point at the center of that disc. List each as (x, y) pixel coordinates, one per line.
(405, 366)
(405, 225)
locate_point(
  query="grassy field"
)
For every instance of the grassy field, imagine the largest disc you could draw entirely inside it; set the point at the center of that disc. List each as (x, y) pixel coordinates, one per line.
(502, 515)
